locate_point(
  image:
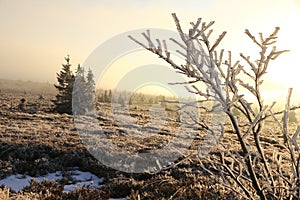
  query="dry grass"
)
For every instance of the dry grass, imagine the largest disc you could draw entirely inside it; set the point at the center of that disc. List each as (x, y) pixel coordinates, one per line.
(43, 142)
(4, 194)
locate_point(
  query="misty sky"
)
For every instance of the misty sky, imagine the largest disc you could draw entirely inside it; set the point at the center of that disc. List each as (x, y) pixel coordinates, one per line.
(37, 34)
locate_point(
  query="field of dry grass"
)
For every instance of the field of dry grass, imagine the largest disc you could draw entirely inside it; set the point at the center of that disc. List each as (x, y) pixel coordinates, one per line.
(36, 142)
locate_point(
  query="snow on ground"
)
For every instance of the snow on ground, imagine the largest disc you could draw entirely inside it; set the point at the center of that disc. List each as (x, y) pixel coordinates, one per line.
(18, 182)
(80, 179)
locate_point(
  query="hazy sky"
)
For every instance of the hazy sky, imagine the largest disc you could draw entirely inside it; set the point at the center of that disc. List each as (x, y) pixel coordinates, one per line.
(35, 35)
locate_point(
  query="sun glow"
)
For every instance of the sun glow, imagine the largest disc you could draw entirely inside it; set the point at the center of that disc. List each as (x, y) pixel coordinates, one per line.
(155, 89)
(33, 48)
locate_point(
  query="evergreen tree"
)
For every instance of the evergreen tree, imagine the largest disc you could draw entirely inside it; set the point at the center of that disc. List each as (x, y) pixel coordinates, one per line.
(90, 92)
(101, 98)
(79, 99)
(105, 98)
(150, 101)
(109, 96)
(162, 101)
(63, 101)
(121, 100)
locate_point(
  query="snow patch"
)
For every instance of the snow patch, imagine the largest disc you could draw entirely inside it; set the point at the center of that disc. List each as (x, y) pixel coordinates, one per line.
(18, 181)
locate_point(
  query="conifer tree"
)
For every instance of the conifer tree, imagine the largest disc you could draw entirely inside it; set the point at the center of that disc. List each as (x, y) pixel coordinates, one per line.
(105, 97)
(79, 99)
(63, 101)
(121, 100)
(90, 92)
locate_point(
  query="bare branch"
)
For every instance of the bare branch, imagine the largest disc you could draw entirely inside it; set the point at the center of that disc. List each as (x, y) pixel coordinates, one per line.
(217, 42)
(252, 37)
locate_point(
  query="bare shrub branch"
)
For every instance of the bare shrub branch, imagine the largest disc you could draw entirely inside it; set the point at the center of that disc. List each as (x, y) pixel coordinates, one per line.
(252, 169)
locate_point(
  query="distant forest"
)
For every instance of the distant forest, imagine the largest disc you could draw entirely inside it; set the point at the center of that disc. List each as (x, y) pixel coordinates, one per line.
(19, 86)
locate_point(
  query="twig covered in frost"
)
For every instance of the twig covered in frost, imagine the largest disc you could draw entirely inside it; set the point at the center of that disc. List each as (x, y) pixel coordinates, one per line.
(251, 169)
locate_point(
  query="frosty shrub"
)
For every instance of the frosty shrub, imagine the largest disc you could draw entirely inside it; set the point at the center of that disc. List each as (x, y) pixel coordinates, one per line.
(268, 169)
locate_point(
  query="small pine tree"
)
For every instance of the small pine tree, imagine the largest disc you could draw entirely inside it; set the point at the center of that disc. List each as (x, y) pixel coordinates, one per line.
(121, 100)
(90, 92)
(109, 96)
(63, 101)
(105, 98)
(84, 93)
(101, 98)
(79, 102)
(162, 101)
(150, 101)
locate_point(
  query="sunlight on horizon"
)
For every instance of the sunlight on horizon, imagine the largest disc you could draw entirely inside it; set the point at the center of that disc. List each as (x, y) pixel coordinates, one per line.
(37, 35)
(155, 89)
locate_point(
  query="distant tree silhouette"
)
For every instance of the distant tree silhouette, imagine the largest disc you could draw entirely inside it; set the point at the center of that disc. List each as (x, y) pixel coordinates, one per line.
(101, 98)
(63, 101)
(121, 100)
(105, 98)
